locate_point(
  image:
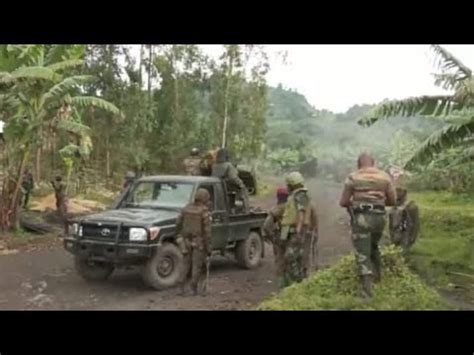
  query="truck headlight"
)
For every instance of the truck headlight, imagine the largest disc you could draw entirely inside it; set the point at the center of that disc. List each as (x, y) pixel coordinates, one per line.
(75, 228)
(137, 234)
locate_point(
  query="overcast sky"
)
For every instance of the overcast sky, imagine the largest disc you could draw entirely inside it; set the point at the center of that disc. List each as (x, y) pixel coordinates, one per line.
(335, 77)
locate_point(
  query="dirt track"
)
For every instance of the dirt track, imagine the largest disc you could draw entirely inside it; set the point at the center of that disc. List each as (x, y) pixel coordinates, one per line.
(45, 279)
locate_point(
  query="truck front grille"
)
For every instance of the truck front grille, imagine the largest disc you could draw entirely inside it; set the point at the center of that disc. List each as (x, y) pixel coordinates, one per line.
(103, 232)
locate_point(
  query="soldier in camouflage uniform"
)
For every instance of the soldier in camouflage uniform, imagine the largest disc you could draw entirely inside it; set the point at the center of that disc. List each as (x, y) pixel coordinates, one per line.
(366, 193)
(27, 186)
(295, 225)
(272, 229)
(192, 164)
(194, 230)
(225, 170)
(61, 201)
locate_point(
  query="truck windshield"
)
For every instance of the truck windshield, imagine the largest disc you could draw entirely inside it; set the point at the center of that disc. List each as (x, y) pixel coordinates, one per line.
(159, 194)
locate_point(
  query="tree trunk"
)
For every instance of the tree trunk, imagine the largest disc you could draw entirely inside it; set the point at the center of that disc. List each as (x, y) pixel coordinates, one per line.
(38, 163)
(150, 63)
(14, 222)
(140, 66)
(226, 96)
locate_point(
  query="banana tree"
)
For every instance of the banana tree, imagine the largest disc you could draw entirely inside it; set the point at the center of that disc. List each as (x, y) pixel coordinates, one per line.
(456, 110)
(41, 95)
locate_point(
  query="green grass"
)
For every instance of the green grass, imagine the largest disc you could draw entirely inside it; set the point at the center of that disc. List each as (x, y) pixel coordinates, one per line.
(337, 288)
(446, 241)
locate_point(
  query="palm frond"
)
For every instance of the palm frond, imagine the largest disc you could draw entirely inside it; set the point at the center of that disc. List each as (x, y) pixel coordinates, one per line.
(88, 101)
(28, 54)
(57, 53)
(447, 81)
(40, 73)
(74, 127)
(447, 62)
(65, 86)
(66, 64)
(448, 136)
(423, 105)
(69, 151)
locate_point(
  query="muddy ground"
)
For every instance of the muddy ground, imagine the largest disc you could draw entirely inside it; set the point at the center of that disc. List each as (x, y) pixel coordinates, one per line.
(44, 278)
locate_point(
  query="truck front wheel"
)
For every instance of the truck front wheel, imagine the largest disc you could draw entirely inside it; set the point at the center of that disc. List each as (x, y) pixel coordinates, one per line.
(93, 270)
(249, 251)
(164, 269)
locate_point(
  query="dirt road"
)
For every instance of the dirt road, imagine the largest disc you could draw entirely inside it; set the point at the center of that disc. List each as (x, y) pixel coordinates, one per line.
(45, 279)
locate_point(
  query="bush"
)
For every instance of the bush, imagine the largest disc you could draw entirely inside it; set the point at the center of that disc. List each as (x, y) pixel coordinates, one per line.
(337, 288)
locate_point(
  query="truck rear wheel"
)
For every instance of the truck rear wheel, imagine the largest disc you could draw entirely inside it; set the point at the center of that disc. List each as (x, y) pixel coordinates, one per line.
(93, 270)
(249, 251)
(164, 269)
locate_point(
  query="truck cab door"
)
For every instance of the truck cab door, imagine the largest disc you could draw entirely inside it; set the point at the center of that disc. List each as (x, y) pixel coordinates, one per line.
(220, 216)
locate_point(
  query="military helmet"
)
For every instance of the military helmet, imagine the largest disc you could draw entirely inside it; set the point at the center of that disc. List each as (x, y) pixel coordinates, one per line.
(130, 175)
(294, 178)
(202, 196)
(194, 151)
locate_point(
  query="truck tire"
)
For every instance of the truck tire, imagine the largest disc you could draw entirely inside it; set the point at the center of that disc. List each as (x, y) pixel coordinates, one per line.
(249, 251)
(93, 270)
(164, 269)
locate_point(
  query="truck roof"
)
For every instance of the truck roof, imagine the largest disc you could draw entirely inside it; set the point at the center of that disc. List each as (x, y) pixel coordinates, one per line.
(180, 178)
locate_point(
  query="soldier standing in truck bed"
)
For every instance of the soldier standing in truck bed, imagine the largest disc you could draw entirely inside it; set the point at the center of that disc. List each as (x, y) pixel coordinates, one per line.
(225, 170)
(192, 164)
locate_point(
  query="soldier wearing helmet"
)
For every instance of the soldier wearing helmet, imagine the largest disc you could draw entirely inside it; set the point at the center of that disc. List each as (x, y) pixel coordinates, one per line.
(194, 230)
(272, 228)
(366, 193)
(192, 164)
(295, 225)
(225, 170)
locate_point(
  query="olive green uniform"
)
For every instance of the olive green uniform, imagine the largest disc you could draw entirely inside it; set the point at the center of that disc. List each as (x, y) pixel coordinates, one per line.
(297, 202)
(272, 229)
(227, 172)
(194, 229)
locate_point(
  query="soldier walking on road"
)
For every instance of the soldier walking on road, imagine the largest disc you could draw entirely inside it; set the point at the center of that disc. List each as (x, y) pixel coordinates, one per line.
(194, 230)
(310, 244)
(366, 193)
(295, 226)
(272, 230)
(61, 202)
(192, 164)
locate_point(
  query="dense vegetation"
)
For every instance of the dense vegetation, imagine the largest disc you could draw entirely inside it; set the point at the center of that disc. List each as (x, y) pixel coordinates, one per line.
(337, 288)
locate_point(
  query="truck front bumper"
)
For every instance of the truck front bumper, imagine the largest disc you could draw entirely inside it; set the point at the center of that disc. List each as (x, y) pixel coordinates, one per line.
(107, 251)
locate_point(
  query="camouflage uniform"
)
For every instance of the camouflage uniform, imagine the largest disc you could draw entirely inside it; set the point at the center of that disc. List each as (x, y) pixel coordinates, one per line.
(61, 203)
(194, 230)
(192, 165)
(272, 228)
(226, 171)
(297, 202)
(404, 221)
(369, 188)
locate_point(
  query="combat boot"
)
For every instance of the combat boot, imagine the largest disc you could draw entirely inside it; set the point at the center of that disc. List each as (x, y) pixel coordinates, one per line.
(366, 281)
